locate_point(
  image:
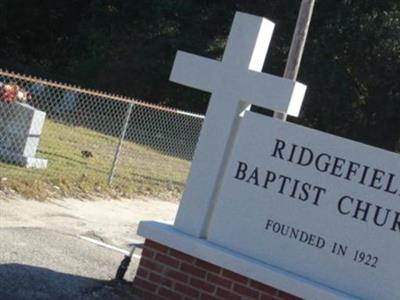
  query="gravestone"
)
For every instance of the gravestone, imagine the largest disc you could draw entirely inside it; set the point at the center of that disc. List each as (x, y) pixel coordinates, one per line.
(272, 208)
(20, 129)
(68, 103)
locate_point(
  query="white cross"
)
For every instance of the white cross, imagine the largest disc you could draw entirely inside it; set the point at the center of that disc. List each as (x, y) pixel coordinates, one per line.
(235, 83)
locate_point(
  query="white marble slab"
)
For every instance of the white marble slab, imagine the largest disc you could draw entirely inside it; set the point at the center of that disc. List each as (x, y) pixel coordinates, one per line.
(20, 130)
(328, 196)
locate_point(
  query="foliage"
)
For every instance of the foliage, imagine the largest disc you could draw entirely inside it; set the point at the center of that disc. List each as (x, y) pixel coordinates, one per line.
(351, 67)
(350, 64)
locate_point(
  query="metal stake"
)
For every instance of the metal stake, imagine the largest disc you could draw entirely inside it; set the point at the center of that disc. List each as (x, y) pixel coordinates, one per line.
(119, 146)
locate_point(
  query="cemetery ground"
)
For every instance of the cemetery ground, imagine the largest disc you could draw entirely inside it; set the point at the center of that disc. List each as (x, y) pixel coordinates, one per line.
(73, 173)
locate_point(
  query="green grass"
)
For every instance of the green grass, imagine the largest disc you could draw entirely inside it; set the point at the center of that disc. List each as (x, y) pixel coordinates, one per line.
(141, 170)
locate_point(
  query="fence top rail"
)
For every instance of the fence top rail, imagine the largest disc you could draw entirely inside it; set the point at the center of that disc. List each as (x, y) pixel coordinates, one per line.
(77, 89)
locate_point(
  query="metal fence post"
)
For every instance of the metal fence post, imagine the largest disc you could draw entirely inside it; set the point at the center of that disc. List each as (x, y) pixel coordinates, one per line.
(119, 146)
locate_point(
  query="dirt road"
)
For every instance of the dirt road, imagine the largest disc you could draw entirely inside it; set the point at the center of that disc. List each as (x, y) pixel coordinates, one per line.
(111, 221)
(43, 257)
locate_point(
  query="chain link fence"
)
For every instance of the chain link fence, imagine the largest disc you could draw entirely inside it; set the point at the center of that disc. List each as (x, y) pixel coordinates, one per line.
(67, 141)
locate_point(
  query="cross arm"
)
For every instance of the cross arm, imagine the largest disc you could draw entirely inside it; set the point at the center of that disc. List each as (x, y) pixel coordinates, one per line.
(195, 71)
(272, 92)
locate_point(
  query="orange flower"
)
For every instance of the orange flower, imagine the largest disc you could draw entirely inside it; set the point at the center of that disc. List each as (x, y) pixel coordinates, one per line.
(12, 92)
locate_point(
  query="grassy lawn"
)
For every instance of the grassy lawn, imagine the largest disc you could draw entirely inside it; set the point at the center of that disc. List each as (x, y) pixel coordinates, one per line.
(141, 170)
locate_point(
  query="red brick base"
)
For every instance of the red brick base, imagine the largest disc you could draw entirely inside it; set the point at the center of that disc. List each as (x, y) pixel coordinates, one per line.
(167, 274)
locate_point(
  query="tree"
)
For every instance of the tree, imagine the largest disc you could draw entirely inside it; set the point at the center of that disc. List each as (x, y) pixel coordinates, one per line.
(355, 46)
(350, 63)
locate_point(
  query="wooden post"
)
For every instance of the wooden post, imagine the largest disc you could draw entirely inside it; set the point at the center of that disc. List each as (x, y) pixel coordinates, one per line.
(297, 46)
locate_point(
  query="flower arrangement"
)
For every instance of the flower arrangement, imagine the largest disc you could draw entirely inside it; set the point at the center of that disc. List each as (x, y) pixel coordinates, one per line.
(10, 93)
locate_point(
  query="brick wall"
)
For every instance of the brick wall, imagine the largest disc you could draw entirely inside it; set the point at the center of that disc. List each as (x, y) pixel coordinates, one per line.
(167, 274)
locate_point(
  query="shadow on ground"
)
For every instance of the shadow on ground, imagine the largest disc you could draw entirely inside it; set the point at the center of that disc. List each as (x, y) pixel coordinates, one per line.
(24, 282)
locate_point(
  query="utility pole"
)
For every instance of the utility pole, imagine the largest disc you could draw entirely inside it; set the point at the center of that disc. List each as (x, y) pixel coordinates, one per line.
(297, 46)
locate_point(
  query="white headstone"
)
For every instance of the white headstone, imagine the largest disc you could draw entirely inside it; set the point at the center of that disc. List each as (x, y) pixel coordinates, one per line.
(20, 129)
(235, 83)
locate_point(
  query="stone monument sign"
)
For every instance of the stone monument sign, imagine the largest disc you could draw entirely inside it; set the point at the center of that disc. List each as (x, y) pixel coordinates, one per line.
(20, 129)
(271, 207)
(313, 204)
